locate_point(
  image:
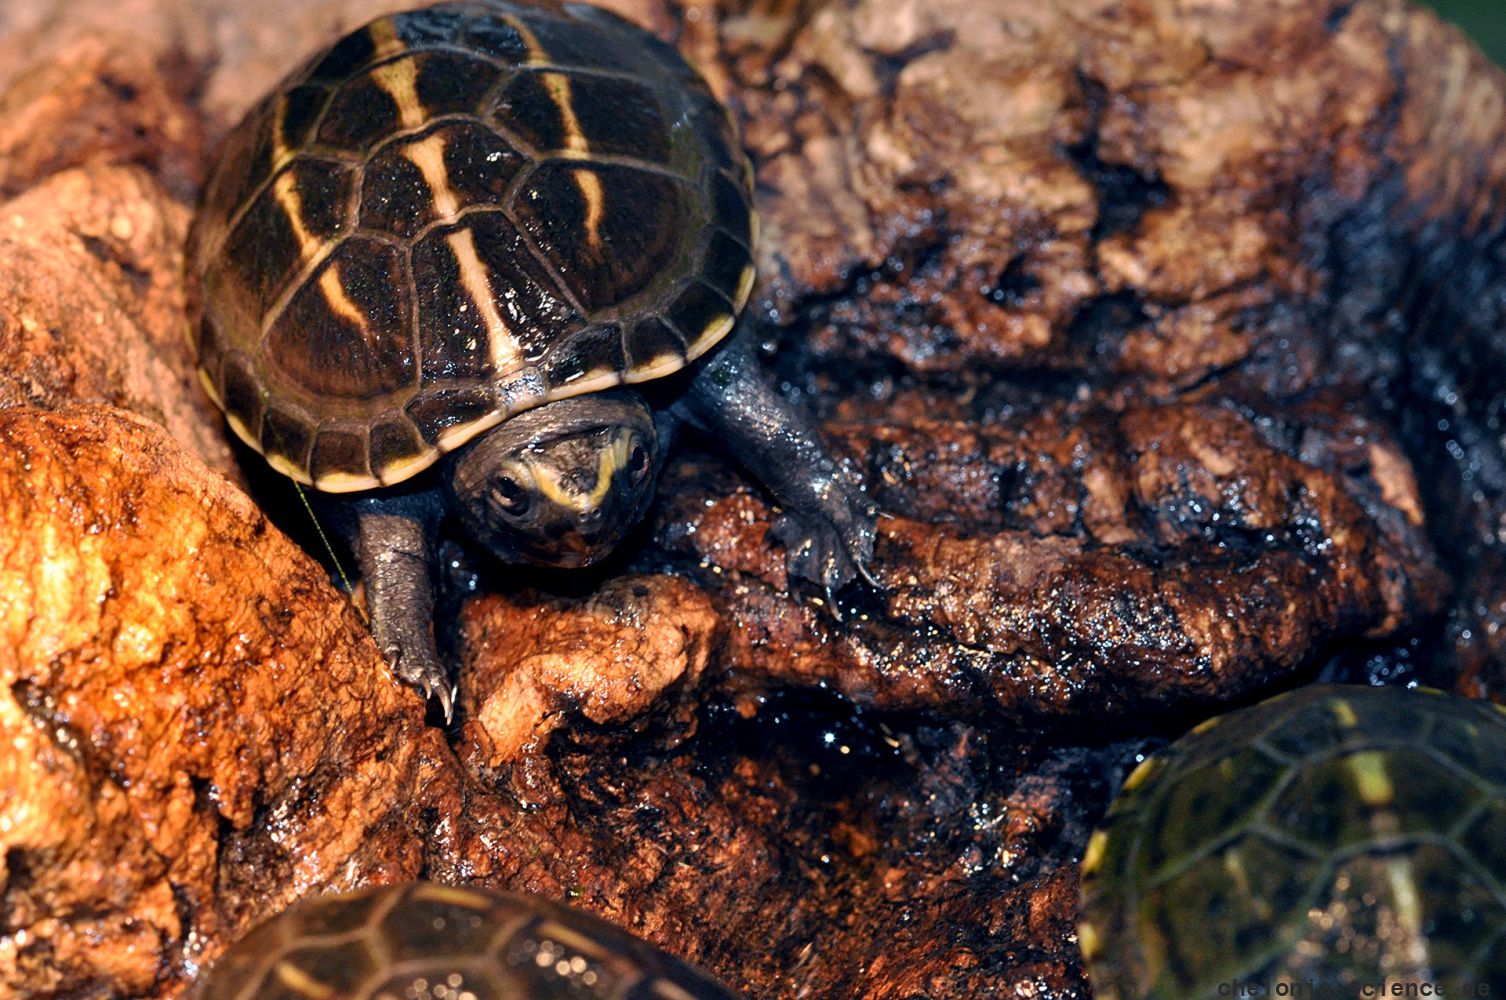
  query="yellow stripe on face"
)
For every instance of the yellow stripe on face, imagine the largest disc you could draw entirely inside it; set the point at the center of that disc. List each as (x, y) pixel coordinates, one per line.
(611, 459)
(557, 86)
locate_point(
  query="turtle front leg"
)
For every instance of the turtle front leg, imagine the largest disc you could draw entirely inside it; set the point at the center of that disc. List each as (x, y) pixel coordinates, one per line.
(827, 522)
(395, 544)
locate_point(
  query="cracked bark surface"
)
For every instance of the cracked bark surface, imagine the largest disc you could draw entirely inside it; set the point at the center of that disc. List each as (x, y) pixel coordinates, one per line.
(1165, 334)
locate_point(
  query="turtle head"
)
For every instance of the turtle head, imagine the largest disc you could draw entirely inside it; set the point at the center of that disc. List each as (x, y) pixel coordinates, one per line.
(558, 485)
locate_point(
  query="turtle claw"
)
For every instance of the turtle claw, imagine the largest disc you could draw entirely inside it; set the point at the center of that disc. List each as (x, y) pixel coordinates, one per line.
(424, 671)
(828, 553)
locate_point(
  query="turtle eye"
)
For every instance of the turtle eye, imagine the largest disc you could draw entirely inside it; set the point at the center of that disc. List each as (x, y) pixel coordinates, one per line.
(638, 460)
(509, 496)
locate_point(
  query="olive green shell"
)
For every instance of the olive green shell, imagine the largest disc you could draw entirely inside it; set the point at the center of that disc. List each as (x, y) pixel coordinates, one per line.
(455, 214)
(1335, 835)
(424, 940)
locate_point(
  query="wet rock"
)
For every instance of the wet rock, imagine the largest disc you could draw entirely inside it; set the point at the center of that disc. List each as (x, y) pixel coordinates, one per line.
(197, 728)
(534, 665)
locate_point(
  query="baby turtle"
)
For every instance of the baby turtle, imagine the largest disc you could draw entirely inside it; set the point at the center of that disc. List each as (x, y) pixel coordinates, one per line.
(1332, 840)
(424, 941)
(439, 261)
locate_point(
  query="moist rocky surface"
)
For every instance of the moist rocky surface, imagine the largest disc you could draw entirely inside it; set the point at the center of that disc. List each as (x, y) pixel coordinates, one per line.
(1165, 335)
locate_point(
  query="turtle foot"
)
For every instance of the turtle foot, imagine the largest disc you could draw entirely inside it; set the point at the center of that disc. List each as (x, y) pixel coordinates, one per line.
(830, 550)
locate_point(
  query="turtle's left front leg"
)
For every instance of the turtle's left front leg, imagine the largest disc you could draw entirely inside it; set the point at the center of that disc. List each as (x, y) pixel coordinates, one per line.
(827, 522)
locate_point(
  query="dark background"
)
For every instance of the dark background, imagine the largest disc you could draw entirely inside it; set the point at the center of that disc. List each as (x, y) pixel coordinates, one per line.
(1484, 19)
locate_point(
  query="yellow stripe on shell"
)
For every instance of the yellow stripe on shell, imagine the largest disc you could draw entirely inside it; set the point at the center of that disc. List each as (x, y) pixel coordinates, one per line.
(1148, 766)
(1087, 940)
(302, 983)
(209, 387)
(1092, 857)
(1371, 779)
(557, 86)
(454, 895)
(428, 156)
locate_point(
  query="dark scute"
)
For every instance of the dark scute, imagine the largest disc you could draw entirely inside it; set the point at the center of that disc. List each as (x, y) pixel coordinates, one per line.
(580, 44)
(495, 37)
(527, 110)
(431, 25)
(652, 340)
(344, 58)
(480, 164)
(300, 112)
(326, 352)
(642, 231)
(620, 118)
(601, 958)
(697, 308)
(593, 349)
(725, 261)
(453, 341)
(330, 915)
(360, 115)
(339, 450)
(394, 441)
(436, 411)
(721, 138)
(451, 83)
(527, 297)
(209, 349)
(427, 925)
(241, 391)
(244, 163)
(394, 196)
(287, 433)
(339, 967)
(263, 253)
(732, 208)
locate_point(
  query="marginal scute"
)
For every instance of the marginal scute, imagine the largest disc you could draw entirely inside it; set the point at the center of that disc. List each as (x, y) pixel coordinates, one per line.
(595, 352)
(242, 394)
(286, 437)
(442, 410)
(396, 451)
(455, 214)
(727, 267)
(340, 455)
(702, 315)
(733, 208)
(652, 344)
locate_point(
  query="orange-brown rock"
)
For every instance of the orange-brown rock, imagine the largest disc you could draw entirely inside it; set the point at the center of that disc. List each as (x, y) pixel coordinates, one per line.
(181, 686)
(534, 665)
